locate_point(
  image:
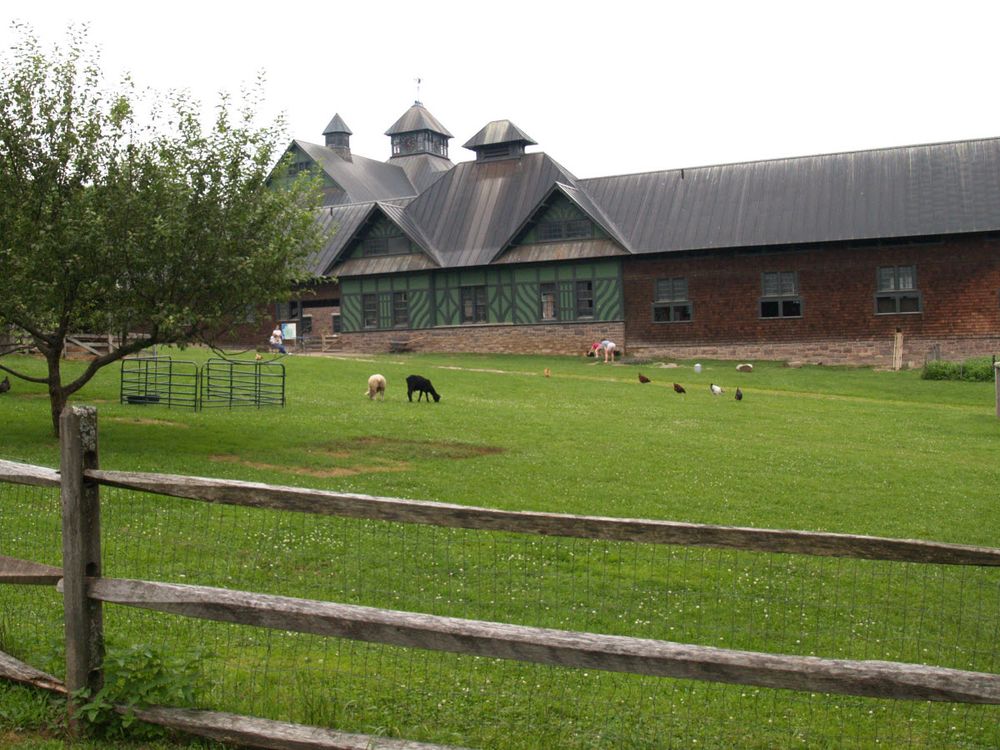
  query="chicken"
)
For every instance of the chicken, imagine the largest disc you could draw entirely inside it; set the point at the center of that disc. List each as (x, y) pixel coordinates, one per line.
(644, 379)
(679, 388)
(739, 394)
(5, 385)
(548, 372)
(716, 390)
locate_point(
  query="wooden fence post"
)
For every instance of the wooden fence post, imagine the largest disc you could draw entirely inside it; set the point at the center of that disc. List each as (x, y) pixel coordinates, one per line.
(81, 527)
(996, 382)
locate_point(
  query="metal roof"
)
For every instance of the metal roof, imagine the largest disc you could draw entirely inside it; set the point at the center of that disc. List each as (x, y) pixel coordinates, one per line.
(470, 214)
(340, 223)
(417, 118)
(496, 132)
(423, 170)
(361, 179)
(337, 125)
(383, 264)
(473, 213)
(906, 191)
(549, 251)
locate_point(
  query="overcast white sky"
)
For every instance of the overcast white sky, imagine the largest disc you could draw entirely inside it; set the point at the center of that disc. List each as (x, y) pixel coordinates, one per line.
(605, 88)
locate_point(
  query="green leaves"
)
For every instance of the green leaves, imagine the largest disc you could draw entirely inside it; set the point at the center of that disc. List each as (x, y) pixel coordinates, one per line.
(159, 230)
(134, 678)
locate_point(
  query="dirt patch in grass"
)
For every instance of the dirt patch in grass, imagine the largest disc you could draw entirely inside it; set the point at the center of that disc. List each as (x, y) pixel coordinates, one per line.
(369, 455)
(409, 450)
(333, 471)
(146, 421)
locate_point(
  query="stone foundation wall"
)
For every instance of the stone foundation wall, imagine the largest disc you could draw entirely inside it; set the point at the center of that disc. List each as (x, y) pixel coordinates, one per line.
(871, 352)
(565, 338)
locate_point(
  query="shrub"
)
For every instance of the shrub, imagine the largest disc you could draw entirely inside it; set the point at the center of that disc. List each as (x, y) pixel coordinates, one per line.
(940, 369)
(979, 369)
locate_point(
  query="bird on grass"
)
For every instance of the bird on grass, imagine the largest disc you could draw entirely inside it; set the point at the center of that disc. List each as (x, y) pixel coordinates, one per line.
(739, 394)
(716, 390)
(5, 385)
(548, 372)
(679, 388)
(644, 379)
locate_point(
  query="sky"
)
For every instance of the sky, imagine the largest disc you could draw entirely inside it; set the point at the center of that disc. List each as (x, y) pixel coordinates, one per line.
(605, 88)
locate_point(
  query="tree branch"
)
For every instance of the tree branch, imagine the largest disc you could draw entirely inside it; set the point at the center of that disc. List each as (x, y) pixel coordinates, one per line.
(21, 375)
(136, 345)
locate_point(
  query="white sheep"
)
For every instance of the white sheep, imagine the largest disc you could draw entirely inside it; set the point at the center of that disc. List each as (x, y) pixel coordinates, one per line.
(376, 384)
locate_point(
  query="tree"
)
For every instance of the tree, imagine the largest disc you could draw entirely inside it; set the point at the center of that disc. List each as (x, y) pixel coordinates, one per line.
(151, 228)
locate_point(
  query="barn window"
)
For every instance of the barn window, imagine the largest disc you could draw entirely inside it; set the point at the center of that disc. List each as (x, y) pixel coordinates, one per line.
(780, 295)
(473, 300)
(897, 290)
(564, 229)
(670, 301)
(400, 310)
(369, 303)
(307, 324)
(585, 299)
(549, 302)
(395, 244)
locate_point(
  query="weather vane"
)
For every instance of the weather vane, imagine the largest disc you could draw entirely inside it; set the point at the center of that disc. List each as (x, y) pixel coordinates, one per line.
(418, 80)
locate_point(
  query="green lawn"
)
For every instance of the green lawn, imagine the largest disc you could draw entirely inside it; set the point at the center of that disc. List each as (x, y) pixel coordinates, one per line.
(816, 448)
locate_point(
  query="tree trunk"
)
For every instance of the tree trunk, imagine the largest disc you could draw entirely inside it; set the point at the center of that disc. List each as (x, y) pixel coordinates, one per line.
(57, 394)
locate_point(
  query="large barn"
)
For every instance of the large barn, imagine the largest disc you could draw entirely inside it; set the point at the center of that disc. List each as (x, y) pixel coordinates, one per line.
(888, 256)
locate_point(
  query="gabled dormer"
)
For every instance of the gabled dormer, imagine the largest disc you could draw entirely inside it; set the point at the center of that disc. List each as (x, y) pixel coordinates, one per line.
(500, 139)
(380, 236)
(564, 224)
(418, 132)
(560, 220)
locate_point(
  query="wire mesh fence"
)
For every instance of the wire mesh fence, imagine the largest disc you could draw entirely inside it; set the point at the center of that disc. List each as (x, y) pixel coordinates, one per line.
(775, 603)
(31, 624)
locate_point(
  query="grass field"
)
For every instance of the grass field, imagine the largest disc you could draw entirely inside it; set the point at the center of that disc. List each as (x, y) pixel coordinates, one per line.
(833, 449)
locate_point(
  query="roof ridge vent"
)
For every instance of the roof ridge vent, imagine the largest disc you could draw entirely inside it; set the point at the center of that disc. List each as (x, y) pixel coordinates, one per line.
(338, 137)
(500, 139)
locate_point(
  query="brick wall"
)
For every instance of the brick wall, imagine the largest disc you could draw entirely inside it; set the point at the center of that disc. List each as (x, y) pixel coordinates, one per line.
(959, 281)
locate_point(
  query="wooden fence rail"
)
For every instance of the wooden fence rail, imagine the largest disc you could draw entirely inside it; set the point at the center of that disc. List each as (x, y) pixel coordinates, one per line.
(256, 495)
(610, 653)
(349, 505)
(84, 590)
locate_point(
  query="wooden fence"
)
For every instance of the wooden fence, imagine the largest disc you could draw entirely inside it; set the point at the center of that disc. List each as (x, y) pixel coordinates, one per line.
(84, 589)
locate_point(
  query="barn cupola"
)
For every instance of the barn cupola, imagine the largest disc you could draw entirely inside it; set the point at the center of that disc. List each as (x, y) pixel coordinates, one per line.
(419, 132)
(338, 137)
(500, 139)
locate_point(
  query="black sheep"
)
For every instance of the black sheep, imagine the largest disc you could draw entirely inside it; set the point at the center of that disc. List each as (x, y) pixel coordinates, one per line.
(422, 386)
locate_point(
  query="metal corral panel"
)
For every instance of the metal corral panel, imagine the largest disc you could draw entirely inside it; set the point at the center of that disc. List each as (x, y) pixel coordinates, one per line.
(898, 192)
